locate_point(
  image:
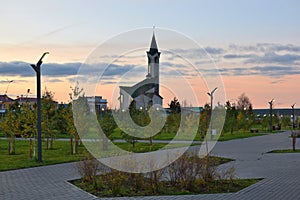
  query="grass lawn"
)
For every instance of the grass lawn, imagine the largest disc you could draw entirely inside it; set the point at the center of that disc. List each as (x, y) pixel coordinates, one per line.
(60, 154)
(285, 151)
(141, 147)
(160, 136)
(236, 135)
(224, 137)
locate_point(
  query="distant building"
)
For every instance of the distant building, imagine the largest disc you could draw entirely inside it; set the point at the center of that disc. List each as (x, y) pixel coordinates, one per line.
(97, 104)
(187, 110)
(196, 110)
(277, 111)
(28, 100)
(5, 102)
(146, 92)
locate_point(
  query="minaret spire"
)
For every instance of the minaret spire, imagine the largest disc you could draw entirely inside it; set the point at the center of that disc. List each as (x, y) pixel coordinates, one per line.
(153, 45)
(153, 62)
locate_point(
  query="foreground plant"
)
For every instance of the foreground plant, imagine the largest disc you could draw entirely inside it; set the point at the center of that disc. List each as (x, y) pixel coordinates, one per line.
(187, 175)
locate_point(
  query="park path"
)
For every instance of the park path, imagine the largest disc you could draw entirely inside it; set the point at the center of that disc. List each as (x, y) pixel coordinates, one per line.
(280, 172)
(47, 182)
(119, 140)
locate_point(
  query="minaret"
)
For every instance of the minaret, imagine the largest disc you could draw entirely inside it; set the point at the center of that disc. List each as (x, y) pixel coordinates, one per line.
(153, 63)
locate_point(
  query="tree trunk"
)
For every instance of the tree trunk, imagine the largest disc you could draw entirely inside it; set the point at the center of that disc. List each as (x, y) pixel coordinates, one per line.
(294, 143)
(150, 140)
(30, 148)
(47, 143)
(104, 144)
(71, 145)
(294, 135)
(76, 144)
(11, 145)
(34, 148)
(51, 143)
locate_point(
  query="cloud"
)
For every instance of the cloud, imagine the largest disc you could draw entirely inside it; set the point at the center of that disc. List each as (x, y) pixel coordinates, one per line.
(23, 69)
(264, 59)
(277, 81)
(58, 70)
(105, 74)
(278, 47)
(265, 47)
(166, 64)
(271, 71)
(117, 70)
(55, 80)
(261, 53)
(16, 68)
(273, 58)
(237, 56)
(197, 53)
(212, 50)
(4, 82)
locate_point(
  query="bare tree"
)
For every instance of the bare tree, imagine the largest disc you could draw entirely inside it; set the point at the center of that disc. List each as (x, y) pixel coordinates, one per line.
(244, 103)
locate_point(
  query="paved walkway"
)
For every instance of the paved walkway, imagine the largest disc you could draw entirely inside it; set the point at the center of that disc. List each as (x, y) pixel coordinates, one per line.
(280, 172)
(119, 140)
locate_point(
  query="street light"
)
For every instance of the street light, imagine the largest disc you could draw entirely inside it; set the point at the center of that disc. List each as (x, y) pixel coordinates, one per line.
(102, 112)
(37, 69)
(211, 94)
(8, 83)
(293, 113)
(271, 107)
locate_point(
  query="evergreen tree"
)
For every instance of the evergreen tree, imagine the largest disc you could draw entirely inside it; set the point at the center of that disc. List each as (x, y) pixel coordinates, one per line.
(230, 120)
(174, 106)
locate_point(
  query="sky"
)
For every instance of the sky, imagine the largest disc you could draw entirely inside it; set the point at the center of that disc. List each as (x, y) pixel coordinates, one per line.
(255, 44)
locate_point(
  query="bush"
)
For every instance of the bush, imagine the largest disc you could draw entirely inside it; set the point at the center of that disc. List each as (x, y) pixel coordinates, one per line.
(188, 173)
(88, 168)
(184, 171)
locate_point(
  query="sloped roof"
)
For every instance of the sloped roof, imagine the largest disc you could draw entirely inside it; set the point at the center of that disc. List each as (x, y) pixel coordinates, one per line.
(140, 88)
(5, 98)
(26, 99)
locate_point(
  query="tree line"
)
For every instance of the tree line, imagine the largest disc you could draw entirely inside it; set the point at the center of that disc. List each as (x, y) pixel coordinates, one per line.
(58, 120)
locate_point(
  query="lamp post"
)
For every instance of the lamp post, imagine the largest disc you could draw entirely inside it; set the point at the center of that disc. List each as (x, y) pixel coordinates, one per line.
(37, 69)
(293, 113)
(271, 113)
(211, 94)
(8, 83)
(102, 112)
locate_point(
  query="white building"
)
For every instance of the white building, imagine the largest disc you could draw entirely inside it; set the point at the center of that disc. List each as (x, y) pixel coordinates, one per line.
(97, 104)
(146, 92)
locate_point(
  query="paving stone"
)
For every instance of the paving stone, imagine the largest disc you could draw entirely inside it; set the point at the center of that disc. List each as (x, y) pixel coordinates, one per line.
(280, 172)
